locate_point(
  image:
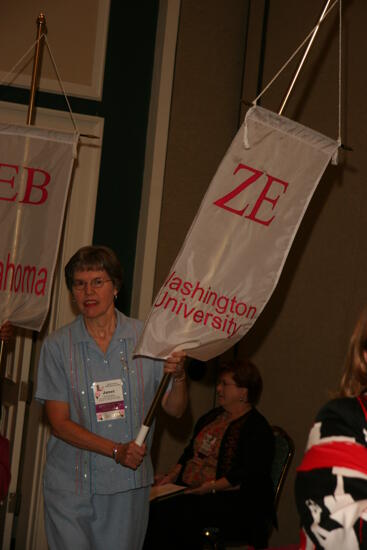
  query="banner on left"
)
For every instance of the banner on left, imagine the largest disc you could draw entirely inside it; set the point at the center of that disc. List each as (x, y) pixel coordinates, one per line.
(35, 172)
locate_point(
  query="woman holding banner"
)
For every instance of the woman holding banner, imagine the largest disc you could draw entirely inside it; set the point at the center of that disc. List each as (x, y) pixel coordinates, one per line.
(97, 479)
(226, 467)
(331, 483)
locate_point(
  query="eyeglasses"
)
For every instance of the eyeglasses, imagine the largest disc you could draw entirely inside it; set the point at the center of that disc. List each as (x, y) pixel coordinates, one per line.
(224, 383)
(96, 283)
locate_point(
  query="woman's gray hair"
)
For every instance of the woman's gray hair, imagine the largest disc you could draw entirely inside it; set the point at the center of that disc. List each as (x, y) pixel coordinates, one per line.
(94, 258)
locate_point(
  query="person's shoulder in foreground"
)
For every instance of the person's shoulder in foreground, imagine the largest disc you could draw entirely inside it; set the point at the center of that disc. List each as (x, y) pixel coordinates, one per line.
(331, 481)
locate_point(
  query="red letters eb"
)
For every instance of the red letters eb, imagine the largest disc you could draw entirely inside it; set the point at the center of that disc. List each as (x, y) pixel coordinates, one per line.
(35, 183)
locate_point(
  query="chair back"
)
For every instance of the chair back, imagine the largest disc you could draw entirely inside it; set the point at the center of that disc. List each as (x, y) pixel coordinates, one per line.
(283, 455)
(284, 451)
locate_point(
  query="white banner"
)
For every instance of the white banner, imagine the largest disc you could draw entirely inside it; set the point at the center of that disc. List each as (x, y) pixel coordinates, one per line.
(35, 172)
(235, 250)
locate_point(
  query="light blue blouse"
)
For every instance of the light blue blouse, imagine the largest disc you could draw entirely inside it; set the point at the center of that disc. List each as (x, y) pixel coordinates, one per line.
(69, 364)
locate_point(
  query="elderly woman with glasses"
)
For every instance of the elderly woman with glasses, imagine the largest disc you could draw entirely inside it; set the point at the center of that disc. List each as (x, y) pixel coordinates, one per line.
(226, 469)
(96, 395)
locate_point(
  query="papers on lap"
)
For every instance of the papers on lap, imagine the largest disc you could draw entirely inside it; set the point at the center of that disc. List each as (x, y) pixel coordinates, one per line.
(164, 491)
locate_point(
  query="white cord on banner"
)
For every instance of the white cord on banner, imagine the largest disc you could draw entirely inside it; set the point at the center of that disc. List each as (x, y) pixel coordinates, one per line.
(254, 102)
(61, 85)
(340, 75)
(334, 159)
(19, 61)
(56, 71)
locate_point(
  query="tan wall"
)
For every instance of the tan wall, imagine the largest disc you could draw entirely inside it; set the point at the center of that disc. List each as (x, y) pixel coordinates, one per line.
(204, 117)
(300, 340)
(76, 32)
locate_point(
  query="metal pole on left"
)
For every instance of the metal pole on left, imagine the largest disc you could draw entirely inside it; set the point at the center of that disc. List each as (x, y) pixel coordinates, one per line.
(2, 351)
(7, 336)
(41, 29)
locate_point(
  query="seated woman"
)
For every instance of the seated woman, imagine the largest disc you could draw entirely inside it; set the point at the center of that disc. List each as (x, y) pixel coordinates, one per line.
(331, 483)
(226, 467)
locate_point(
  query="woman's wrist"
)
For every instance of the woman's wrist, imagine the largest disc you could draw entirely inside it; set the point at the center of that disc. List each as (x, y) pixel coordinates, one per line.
(173, 474)
(179, 378)
(115, 451)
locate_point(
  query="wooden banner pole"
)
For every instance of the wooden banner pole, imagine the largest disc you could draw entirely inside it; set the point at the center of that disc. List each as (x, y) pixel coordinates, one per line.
(152, 410)
(41, 29)
(2, 352)
(41, 24)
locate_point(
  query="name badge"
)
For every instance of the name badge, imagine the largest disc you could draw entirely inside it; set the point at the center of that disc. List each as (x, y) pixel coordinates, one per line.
(109, 399)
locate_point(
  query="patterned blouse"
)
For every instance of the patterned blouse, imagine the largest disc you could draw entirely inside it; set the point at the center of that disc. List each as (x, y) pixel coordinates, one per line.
(203, 466)
(240, 450)
(331, 483)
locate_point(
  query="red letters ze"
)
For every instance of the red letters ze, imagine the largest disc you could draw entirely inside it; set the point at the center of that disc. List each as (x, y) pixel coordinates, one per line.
(222, 202)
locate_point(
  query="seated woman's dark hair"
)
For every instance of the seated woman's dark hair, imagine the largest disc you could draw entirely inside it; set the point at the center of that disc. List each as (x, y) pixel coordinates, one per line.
(246, 375)
(94, 258)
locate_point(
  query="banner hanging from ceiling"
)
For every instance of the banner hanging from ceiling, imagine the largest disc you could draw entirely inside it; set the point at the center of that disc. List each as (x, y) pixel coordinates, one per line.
(35, 172)
(236, 248)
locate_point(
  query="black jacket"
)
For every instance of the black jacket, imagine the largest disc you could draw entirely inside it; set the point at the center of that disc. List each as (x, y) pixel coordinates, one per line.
(246, 453)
